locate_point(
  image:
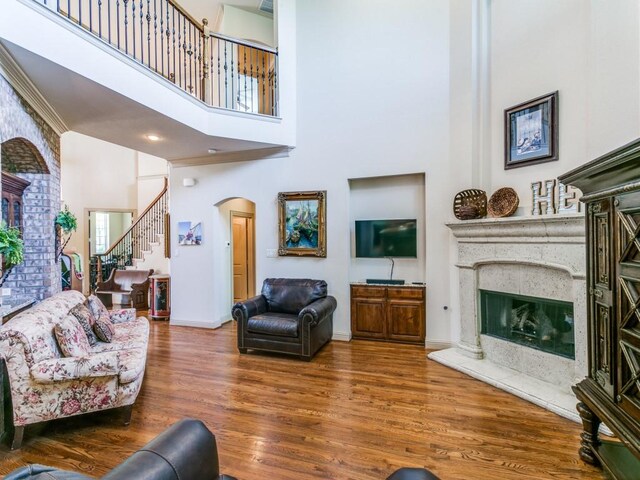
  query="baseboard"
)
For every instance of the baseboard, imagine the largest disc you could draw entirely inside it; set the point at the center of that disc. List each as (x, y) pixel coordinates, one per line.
(437, 344)
(341, 336)
(187, 323)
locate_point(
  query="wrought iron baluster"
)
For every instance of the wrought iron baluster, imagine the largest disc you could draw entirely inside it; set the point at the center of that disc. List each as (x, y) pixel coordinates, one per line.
(118, 21)
(263, 110)
(225, 69)
(155, 35)
(226, 77)
(100, 18)
(90, 16)
(179, 53)
(109, 21)
(239, 86)
(190, 53)
(79, 13)
(251, 59)
(184, 51)
(69, 9)
(133, 26)
(141, 33)
(126, 27)
(173, 34)
(244, 74)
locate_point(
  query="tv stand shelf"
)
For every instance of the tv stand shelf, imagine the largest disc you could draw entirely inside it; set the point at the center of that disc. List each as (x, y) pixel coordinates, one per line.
(391, 313)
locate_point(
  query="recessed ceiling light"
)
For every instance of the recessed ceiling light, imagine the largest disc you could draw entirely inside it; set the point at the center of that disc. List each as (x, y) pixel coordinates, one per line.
(153, 138)
(212, 151)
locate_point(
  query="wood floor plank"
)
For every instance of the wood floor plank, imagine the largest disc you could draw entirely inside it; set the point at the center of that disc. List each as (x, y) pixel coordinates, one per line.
(358, 411)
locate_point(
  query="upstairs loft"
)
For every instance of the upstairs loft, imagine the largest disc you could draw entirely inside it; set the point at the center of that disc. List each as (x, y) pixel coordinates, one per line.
(125, 70)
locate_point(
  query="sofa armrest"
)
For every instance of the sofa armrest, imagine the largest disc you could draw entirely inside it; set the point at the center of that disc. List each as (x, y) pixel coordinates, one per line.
(122, 315)
(185, 450)
(241, 311)
(316, 311)
(53, 370)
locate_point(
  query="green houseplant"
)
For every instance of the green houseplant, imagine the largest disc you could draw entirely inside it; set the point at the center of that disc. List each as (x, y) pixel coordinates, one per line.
(66, 223)
(11, 249)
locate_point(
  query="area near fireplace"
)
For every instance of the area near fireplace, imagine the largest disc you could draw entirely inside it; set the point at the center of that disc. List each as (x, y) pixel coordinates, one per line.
(523, 307)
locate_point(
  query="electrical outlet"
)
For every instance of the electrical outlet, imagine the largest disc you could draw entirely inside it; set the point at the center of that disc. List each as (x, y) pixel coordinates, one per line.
(272, 252)
(6, 292)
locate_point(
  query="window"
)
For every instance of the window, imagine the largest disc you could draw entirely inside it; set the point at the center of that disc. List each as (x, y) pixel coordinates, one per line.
(102, 232)
(247, 97)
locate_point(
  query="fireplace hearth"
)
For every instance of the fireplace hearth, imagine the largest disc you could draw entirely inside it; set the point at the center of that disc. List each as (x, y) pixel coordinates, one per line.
(522, 285)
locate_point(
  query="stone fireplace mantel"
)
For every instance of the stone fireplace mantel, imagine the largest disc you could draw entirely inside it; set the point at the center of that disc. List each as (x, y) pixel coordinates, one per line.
(540, 256)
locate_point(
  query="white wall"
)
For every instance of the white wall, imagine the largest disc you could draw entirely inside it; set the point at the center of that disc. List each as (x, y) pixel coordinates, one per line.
(352, 123)
(96, 175)
(240, 23)
(394, 197)
(587, 50)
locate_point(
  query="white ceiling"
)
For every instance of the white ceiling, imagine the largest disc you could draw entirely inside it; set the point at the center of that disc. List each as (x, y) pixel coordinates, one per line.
(210, 9)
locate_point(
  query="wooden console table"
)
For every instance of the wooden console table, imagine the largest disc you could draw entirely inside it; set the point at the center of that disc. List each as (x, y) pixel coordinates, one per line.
(392, 313)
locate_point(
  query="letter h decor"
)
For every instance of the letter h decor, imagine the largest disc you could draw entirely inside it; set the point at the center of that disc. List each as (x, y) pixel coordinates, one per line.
(539, 198)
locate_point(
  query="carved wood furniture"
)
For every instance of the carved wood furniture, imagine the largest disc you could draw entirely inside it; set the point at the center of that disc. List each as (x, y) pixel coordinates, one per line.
(389, 313)
(12, 189)
(611, 392)
(130, 287)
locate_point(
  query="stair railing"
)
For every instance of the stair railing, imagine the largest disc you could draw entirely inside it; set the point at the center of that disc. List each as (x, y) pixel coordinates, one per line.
(138, 237)
(221, 71)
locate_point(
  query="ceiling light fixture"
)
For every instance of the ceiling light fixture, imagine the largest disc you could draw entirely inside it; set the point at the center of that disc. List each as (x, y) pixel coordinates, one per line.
(212, 151)
(152, 137)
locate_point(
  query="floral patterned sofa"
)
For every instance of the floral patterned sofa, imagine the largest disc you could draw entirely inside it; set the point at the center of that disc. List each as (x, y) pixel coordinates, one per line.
(45, 385)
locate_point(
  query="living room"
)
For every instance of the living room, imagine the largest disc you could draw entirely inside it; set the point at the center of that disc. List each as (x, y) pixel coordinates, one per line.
(396, 108)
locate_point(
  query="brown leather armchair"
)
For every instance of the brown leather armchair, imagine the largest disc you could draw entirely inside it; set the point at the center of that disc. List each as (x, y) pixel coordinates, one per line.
(292, 315)
(132, 286)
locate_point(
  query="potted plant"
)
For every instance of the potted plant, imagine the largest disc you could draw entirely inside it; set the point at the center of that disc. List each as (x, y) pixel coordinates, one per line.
(66, 223)
(11, 249)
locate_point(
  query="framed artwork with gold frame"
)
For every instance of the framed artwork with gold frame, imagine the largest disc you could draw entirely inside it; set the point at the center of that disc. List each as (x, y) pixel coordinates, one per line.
(302, 224)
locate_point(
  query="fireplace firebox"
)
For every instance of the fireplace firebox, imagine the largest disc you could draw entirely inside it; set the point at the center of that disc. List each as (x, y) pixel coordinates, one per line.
(539, 323)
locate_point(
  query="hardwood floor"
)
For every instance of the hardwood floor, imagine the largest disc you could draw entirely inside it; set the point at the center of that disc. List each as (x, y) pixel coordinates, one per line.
(359, 410)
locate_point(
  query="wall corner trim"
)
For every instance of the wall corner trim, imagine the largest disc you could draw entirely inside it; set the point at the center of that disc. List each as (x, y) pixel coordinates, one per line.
(437, 344)
(16, 77)
(341, 336)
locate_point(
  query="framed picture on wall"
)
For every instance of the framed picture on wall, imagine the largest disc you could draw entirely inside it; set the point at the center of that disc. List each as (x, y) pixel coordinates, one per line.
(189, 233)
(531, 132)
(302, 223)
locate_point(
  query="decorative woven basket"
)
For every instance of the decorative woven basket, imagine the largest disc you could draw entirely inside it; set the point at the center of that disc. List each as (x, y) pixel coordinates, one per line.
(469, 204)
(503, 203)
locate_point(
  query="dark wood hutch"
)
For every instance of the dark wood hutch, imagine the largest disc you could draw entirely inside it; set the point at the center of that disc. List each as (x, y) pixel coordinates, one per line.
(611, 393)
(12, 206)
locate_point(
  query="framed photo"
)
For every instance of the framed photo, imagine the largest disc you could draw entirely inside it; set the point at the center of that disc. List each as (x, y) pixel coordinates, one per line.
(302, 224)
(531, 132)
(189, 233)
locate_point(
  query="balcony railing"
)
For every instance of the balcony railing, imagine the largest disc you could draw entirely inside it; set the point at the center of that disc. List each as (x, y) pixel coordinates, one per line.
(221, 71)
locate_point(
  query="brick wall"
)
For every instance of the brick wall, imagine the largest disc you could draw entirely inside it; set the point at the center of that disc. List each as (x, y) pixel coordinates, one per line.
(39, 275)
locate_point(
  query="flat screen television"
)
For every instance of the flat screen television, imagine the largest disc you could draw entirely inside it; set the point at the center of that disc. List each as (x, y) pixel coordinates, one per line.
(386, 238)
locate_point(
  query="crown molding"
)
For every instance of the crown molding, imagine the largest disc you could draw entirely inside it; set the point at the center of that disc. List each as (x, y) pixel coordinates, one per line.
(16, 77)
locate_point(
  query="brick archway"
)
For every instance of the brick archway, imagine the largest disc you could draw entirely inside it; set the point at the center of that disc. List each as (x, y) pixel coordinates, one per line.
(19, 155)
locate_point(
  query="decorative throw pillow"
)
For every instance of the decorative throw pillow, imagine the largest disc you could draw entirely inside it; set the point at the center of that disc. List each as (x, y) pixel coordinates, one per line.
(86, 320)
(71, 337)
(97, 307)
(104, 329)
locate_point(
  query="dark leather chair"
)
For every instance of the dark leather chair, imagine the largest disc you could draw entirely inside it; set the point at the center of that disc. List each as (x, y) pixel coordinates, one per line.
(185, 451)
(412, 474)
(292, 315)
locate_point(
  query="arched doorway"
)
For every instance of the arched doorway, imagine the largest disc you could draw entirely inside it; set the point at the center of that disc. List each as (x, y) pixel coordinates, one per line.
(238, 216)
(27, 204)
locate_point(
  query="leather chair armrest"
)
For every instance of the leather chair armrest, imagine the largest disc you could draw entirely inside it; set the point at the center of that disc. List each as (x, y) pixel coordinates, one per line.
(241, 311)
(316, 311)
(412, 474)
(187, 451)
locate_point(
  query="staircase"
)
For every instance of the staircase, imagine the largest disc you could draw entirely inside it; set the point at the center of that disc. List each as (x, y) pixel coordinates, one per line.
(144, 245)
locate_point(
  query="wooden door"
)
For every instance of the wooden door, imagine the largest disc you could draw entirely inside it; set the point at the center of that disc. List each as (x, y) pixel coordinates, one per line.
(626, 351)
(601, 299)
(243, 256)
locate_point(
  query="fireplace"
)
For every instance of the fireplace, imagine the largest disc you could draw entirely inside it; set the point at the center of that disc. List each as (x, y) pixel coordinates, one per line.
(522, 314)
(539, 323)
